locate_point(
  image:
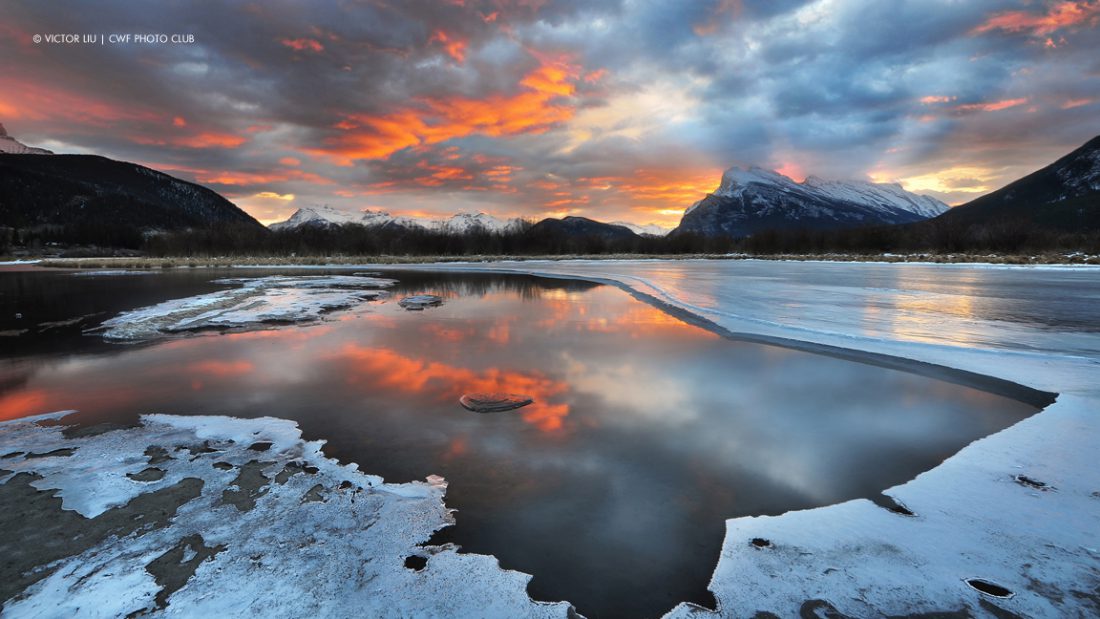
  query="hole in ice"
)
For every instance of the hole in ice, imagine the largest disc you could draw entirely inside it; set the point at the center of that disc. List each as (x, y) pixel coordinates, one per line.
(260, 446)
(68, 451)
(223, 466)
(888, 502)
(12, 454)
(989, 588)
(493, 402)
(416, 563)
(149, 474)
(419, 302)
(1024, 480)
(760, 542)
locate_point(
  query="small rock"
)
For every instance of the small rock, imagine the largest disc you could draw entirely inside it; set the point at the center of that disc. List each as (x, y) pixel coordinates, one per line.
(420, 301)
(493, 402)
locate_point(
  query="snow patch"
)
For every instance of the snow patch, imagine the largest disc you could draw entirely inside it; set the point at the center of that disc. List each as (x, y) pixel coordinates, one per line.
(254, 302)
(340, 554)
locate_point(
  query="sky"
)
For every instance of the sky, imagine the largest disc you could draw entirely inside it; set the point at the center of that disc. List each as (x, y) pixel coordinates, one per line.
(622, 110)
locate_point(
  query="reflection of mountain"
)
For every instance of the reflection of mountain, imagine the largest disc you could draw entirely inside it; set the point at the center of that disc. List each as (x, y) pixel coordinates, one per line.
(481, 284)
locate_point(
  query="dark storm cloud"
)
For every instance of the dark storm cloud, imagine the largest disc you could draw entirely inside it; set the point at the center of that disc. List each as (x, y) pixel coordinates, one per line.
(345, 102)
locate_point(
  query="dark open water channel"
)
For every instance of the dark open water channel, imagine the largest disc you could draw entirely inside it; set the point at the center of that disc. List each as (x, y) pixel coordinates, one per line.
(612, 489)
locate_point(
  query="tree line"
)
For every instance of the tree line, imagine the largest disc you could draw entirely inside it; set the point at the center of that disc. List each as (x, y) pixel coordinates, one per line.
(932, 236)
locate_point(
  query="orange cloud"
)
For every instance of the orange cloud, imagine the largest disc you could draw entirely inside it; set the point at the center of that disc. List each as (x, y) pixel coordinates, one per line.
(724, 12)
(992, 106)
(304, 45)
(1072, 103)
(431, 121)
(455, 48)
(290, 161)
(1060, 15)
(933, 99)
(179, 121)
(198, 140)
(230, 177)
(33, 101)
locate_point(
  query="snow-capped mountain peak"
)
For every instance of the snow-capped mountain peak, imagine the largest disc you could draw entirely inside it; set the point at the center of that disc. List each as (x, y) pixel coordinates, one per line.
(461, 223)
(751, 200)
(877, 194)
(644, 229)
(12, 146)
(736, 179)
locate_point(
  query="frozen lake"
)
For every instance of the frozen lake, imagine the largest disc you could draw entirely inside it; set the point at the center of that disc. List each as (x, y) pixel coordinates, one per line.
(646, 434)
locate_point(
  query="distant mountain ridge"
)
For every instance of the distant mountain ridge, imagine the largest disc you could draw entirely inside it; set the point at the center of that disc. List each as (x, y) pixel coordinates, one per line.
(1064, 195)
(751, 200)
(460, 223)
(89, 190)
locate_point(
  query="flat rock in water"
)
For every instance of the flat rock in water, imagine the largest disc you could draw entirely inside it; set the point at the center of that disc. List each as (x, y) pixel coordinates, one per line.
(420, 301)
(493, 402)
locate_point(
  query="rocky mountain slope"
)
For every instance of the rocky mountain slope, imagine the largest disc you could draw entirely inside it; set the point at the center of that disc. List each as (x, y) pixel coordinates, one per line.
(1063, 196)
(88, 190)
(753, 200)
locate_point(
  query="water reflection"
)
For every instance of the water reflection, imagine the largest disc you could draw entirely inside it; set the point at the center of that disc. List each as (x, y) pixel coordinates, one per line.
(613, 487)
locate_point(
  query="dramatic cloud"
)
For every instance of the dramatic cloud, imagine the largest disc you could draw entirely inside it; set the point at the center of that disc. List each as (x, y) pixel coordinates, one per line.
(611, 109)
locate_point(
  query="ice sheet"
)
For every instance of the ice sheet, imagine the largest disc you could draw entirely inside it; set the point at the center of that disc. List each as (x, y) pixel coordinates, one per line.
(256, 301)
(325, 541)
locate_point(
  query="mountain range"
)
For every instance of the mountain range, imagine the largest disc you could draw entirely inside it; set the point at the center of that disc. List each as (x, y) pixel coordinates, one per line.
(751, 200)
(461, 223)
(83, 190)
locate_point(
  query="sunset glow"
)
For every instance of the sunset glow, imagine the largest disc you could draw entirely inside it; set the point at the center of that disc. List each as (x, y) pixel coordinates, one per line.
(533, 109)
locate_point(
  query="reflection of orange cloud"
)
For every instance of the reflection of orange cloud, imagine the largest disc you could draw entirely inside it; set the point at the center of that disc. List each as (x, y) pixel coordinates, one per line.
(23, 403)
(385, 368)
(434, 120)
(221, 369)
(1060, 15)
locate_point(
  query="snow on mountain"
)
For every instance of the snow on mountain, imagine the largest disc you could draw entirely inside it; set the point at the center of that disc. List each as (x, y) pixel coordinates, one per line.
(12, 146)
(751, 200)
(882, 194)
(461, 223)
(644, 229)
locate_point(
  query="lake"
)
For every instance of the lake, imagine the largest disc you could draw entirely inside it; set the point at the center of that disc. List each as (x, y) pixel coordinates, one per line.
(611, 489)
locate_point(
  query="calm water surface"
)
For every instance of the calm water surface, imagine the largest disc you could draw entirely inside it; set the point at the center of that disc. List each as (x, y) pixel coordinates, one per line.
(612, 489)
